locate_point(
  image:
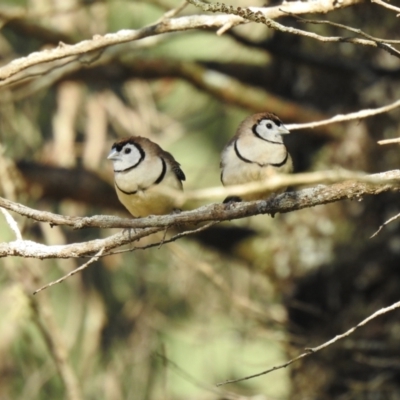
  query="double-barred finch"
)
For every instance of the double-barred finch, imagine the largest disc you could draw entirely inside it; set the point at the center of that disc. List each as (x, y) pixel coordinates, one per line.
(255, 153)
(141, 167)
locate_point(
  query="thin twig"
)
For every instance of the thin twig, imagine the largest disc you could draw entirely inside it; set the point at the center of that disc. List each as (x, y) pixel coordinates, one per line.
(384, 224)
(76, 270)
(174, 12)
(389, 141)
(163, 241)
(12, 223)
(313, 350)
(261, 15)
(342, 26)
(386, 5)
(347, 117)
(328, 39)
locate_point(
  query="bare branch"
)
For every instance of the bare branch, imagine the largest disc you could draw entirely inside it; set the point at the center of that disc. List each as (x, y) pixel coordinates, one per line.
(166, 241)
(88, 50)
(347, 117)
(29, 249)
(175, 11)
(316, 7)
(384, 224)
(386, 5)
(81, 268)
(286, 202)
(357, 185)
(313, 350)
(273, 184)
(389, 141)
(367, 184)
(12, 223)
(340, 39)
(346, 27)
(264, 15)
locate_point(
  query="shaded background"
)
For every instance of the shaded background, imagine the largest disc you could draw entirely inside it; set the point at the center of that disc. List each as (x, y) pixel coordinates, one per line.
(169, 323)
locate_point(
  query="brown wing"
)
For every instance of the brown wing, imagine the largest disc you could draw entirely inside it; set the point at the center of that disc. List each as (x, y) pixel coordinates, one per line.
(176, 167)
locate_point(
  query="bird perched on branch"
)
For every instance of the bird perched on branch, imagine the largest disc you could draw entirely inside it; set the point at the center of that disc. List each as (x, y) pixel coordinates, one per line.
(141, 169)
(255, 153)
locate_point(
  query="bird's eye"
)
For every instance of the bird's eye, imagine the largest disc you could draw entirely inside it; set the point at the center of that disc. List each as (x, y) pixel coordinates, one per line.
(127, 151)
(269, 125)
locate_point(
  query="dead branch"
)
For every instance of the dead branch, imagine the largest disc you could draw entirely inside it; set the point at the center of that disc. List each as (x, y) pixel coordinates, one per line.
(313, 350)
(262, 15)
(386, 5)
(88, 50)
(286, 202)
(76, 270)
(347, 117)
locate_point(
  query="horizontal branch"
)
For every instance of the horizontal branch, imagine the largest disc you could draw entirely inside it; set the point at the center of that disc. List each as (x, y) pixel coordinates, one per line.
(359, 185)
(286, 202)
(30, 249)
(274, 184)
(281, 10)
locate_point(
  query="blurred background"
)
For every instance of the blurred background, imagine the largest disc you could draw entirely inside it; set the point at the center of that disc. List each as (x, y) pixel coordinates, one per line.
(171, 322)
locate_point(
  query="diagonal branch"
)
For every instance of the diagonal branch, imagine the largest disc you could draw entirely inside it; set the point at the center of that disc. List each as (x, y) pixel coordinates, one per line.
(386, 5)
(73, 272)
(88, 50)
(347, 117)
(313, 350)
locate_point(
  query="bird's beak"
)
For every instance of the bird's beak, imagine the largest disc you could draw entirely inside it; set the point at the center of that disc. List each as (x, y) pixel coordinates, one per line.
(113, 155)
(283, 130)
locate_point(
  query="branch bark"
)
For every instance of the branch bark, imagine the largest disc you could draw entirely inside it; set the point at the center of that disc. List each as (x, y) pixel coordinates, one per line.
(312, 350)
(88, 50)
(286, 202)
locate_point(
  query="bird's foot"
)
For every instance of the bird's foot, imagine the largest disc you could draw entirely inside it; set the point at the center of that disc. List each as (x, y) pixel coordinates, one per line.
(232, 199)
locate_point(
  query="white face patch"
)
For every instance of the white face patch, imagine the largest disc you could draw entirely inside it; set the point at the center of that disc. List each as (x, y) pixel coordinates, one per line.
(269, 130)
(126, 157)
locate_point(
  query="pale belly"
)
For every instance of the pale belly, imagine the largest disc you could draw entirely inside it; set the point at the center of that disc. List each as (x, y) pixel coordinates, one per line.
(149, 202)
(241, 174)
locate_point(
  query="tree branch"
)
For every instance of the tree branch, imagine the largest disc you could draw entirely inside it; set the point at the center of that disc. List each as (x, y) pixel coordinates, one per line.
(347, 117)
(264, 16)
(88, 50)
(386, 5)
(313, 350)
(286, 202)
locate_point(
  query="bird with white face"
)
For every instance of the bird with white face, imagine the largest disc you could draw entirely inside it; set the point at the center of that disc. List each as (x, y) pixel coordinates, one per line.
(141, 168)
(255, 153)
